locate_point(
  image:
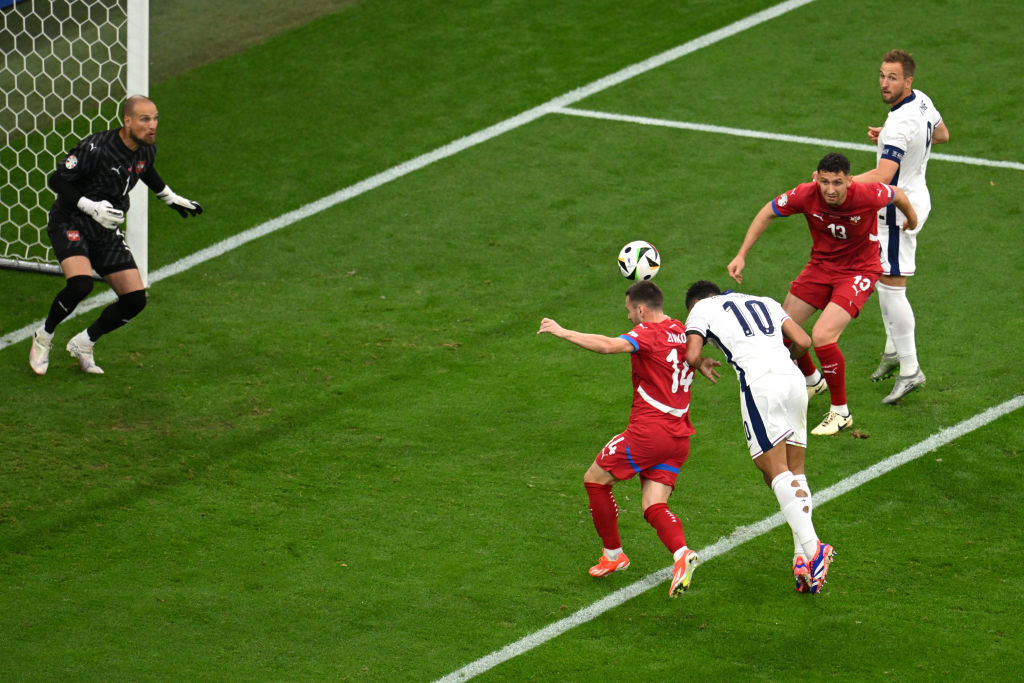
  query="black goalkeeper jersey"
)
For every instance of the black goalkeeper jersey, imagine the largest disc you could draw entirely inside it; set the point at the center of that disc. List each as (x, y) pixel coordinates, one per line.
(102, 167)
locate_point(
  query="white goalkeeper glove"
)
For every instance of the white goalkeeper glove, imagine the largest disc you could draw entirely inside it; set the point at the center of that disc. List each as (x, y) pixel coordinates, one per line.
(186, 207)
(103, 212)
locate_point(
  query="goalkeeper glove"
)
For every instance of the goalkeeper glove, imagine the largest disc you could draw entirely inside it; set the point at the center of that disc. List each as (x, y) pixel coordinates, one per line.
(103, 212)
(186, 207)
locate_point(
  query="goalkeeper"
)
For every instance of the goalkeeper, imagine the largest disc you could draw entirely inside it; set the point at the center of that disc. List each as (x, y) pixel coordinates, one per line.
(92, 185)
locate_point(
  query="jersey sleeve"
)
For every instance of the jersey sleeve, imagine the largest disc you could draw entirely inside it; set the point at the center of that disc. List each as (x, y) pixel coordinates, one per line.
(78, 162)
(884, 194)
(633, 338)
(775, 309)
(697, 322)
(895, 140)
(788, 203)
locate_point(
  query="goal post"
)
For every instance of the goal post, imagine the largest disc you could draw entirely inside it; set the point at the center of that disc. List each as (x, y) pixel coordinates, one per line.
(66, 66)
(137, 83)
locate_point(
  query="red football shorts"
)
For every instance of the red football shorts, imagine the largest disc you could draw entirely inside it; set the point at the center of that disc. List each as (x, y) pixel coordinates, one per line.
(849, 290)
(647, 450)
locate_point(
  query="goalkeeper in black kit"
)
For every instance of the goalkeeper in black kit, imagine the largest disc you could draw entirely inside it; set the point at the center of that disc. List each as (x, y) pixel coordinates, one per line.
(92, 185)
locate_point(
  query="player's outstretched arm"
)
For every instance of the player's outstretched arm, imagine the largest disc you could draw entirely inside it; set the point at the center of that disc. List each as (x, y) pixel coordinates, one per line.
(754, 232)
(883, 173)
(598, 343)
(186, 207)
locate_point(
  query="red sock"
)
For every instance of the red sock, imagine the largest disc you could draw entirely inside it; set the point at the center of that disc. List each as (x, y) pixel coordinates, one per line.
(804, 362)
(605, 512)
(668, 526)
(833, 366)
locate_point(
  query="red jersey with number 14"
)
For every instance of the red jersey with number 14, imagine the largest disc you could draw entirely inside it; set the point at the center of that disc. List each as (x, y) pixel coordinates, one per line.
(661, 377)
(845, 236)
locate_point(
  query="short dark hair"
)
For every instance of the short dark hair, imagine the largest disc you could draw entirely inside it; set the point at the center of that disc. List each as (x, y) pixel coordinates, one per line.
(647, 293)
(701, 289)
(903, 58)
(834, 162)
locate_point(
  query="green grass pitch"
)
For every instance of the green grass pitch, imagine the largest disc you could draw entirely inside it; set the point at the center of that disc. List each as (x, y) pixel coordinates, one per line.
(341, 452)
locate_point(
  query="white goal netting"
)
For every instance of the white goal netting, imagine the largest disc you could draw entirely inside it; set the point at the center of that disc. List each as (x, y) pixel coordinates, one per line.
(64, 72)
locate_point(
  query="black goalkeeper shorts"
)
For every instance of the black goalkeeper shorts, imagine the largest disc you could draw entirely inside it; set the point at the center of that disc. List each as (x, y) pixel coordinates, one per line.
(78, 235)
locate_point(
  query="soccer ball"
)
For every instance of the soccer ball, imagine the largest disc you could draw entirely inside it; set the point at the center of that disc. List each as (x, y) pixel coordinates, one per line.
(639, 260)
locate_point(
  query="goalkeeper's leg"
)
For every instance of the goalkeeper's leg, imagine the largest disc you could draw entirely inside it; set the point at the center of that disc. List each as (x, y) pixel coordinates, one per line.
(77, 288)
(117, 314)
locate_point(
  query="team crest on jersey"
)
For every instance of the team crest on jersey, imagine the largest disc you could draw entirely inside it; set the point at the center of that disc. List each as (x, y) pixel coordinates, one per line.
(73, 236)
(139, 167)
(71, 162)
(855, 219)
(782, 199)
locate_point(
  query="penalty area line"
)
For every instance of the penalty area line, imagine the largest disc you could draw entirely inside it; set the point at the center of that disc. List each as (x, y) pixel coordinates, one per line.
(739, 536)
(762, 135)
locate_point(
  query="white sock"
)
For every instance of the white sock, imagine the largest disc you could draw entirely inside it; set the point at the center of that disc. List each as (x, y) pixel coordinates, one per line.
(898, 318)
(801, 479)
(890, 348)
(813, 379)
(44, 335)
(679, 553)
(612, 554)
(796, 511)
(843, 410)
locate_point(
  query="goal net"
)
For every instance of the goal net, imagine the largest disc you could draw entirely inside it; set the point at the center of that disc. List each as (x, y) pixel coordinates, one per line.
(66, 66)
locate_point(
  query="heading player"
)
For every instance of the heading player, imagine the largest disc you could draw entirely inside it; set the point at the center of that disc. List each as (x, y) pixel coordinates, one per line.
(92, 185)
(842, 216)
(656, 442)
(904, 145)
(750, 331)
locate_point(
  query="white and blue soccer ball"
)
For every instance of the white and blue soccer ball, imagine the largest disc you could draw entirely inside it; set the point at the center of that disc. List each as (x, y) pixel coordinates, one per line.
(639, 260)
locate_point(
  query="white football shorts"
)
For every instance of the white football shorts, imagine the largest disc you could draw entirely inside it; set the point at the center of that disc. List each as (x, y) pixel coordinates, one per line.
(898, 248)
(774, 409)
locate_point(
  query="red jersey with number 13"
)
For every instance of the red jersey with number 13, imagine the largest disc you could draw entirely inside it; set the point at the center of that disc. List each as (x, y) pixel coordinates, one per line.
(661, 377)
(845, 236)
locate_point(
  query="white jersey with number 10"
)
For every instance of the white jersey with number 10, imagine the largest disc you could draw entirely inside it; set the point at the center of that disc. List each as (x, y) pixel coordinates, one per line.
(748, 330)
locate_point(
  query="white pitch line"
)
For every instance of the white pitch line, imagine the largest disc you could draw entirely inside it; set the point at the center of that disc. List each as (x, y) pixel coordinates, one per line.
(780, 137)
(423, 160)
(739, 536)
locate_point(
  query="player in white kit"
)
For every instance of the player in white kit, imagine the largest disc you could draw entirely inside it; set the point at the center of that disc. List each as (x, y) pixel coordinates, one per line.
(904, 144)
(749, 331)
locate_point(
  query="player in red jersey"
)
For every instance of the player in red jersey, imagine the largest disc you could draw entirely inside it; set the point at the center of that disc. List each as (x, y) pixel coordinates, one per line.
(843, 218)
(656, 442)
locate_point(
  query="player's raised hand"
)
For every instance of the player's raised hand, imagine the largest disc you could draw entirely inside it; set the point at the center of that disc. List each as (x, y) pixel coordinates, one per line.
(103, 212)
(736, 267)
(186, 207)
(873, 132)
(550, 326)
